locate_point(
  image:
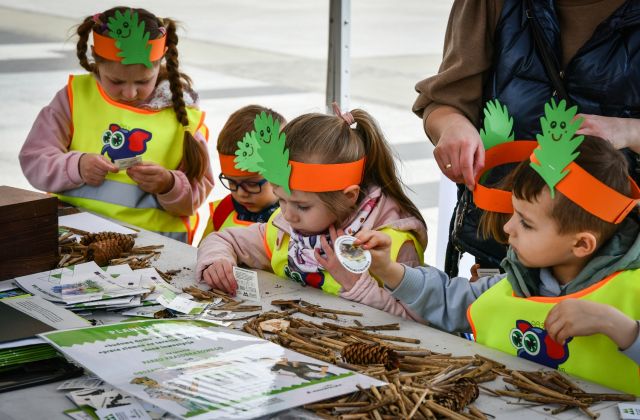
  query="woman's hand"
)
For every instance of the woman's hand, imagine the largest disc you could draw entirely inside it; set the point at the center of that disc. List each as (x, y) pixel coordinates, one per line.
(219, 275)
(332, 265)
(620, 132)
(460, 153)
(94, 168)
(151, 177)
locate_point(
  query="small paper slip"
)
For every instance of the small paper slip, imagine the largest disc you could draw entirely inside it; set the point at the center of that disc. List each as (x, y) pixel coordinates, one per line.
(247, 284)
(170, 300)
(82, 413)
(486, 272)
(133, 411)
(81, 383)
(629, 411)
(218, 315)
(127, 162)
(8, 285)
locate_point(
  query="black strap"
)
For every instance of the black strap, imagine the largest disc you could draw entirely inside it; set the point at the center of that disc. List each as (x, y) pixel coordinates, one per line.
(547, 56)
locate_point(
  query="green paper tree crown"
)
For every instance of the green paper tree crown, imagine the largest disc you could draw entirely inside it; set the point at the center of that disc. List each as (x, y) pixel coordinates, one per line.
(131, 38)
(557, 142)
(263, 150)
(497, 126)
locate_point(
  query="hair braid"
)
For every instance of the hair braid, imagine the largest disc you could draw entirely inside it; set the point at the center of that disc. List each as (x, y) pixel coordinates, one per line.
(193, 151)
(83, 39)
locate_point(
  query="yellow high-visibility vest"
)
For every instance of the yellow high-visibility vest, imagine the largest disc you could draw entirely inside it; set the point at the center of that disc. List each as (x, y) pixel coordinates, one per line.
(222, 216)
(515, 325)
(103, 126)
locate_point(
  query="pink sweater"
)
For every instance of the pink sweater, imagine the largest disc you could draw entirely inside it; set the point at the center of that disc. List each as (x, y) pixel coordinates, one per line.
(49, 165)
(245, 245)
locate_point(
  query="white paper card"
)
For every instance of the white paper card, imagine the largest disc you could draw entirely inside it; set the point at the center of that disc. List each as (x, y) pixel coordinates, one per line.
(127, 162)
(46, 312)
(169, 300)
(247, 284)
(83, 382)
(629, 411)
(133, 411)
(8, 285)
(486, 272)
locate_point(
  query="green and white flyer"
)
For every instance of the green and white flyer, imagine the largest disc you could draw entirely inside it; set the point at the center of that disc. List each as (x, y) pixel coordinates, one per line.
(197, 370)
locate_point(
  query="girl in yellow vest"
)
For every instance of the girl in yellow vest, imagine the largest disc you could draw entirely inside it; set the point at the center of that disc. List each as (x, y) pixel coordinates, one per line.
(569, 298)
(251, 197)
(126, 140)
(331, 174)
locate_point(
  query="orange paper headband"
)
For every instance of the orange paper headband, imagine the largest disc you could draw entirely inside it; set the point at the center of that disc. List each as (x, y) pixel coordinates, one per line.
(578, 185)
(319, 177)
(228, 166)
(594, 196)
(106, 48)
(493, 199)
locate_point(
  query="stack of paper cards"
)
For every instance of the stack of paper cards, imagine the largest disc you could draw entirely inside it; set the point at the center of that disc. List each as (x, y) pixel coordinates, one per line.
(89, 287)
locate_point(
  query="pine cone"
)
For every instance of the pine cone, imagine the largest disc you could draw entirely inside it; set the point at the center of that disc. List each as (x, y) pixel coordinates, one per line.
(126, 241)
(366, 354)
(103, 251)
(464, 392)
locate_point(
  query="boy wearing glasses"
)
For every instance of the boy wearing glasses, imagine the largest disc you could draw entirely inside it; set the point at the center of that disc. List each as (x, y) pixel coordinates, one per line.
(251, 197)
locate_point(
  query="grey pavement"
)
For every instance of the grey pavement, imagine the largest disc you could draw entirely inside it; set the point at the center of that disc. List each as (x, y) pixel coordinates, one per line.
(240, 52)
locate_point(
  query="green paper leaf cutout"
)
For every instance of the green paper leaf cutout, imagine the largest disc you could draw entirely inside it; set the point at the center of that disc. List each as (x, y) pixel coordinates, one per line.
(247, 154)
(131, 38)
(263, 150)
(498, 125)
(557, 142)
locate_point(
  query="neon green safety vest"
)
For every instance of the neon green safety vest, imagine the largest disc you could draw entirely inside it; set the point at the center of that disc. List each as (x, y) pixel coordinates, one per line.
(223, 216)
(515, 325)
(102, 126)
(323, 280)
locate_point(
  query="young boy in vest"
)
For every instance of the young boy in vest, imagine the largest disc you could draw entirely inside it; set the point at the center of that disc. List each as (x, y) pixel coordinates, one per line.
(569, 298)
(251, 199)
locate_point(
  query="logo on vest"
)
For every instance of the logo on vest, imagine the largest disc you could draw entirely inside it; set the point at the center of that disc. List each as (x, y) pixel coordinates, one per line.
(535, 344)
(120, 143)
(306, 279)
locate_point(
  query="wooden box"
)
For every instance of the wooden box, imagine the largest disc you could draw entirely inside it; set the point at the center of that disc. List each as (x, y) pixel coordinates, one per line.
(28, 232)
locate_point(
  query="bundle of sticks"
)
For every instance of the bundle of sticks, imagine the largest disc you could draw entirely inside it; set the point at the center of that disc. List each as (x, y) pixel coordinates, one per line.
(105, 248)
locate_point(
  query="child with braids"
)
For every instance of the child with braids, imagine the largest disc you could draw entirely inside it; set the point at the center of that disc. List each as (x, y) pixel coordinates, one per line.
(126, 140)
(332, 175)
(250, 197)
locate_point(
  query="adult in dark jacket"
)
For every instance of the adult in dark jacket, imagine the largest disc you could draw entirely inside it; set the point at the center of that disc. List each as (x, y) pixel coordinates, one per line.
(490, 52)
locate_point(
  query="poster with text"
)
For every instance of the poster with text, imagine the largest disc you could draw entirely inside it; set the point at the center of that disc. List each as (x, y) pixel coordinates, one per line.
(197, 370)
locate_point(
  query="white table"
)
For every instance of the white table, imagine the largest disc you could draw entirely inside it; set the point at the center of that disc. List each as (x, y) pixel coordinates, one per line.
(44, 402)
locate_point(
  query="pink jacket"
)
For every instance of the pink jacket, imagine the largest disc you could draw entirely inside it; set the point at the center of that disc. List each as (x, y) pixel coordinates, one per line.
(49, 165)
(245, 245)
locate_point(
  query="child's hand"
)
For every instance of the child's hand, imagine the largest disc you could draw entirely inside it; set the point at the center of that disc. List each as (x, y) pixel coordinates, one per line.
(379, 244)
(94, 168)
(219, 275)
(574, 317)
(346, 278)
(151, 178)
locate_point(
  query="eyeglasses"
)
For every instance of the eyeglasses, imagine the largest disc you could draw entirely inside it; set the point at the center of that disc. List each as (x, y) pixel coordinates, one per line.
(252, 187)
